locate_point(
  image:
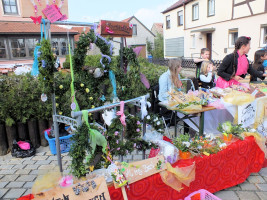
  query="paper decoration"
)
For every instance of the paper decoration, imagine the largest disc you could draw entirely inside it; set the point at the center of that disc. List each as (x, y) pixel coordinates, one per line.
(108, 116)
(246, 114)
(36, 19)
(44, 97)
(52, 13)
(64, 17)
(90, 189)
(141, 169)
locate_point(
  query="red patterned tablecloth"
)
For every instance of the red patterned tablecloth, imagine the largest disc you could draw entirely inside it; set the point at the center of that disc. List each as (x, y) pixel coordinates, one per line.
(216, 172)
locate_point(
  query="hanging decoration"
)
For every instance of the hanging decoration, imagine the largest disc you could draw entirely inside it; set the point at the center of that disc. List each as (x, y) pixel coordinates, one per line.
(36, 18)
(121, 113)
(44, 97)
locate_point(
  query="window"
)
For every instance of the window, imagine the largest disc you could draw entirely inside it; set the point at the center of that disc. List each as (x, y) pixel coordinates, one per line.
(10, 7)
(31, 43)
(193, 40)
(55, 46)
(211, 7)
(195, 12)
(263, 41)
(168, 22)
(2, 49)
(64, 47)
(180, 18)
(233, 35)
(134, 29)
(18, 49)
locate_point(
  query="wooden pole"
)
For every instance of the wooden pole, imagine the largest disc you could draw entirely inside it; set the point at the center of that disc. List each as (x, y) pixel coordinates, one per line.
(124, 193)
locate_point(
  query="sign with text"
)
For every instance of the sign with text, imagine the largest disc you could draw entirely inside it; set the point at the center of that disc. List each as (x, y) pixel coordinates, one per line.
(89, 190)
(116, 29)
(52, 13)
(246, 114)
(141, 169)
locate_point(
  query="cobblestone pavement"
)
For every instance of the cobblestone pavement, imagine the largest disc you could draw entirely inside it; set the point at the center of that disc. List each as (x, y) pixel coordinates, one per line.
(18, 175)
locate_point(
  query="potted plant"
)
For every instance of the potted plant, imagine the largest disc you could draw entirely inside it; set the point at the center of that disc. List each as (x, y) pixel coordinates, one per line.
(228, 130)
(183, 144)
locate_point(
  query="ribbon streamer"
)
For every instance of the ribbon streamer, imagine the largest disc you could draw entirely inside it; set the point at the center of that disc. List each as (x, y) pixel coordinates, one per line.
(113, 83)
(35, 69)
(104, 56)
(144, 104)
(121, 113)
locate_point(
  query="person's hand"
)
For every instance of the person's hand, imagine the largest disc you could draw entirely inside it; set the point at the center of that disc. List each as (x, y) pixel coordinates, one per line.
(237, 78)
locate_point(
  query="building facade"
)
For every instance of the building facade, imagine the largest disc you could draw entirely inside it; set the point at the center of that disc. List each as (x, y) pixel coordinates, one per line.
(190, 25)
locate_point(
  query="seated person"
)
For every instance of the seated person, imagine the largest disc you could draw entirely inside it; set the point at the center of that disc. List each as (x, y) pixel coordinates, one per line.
(204, 56)
(170, 79)
(207, 75)
(259, 57)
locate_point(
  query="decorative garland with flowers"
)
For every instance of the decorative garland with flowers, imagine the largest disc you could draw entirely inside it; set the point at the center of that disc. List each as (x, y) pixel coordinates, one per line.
(156, 122)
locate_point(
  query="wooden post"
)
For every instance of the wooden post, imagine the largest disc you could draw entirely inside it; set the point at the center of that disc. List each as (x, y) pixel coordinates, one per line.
(124, 193)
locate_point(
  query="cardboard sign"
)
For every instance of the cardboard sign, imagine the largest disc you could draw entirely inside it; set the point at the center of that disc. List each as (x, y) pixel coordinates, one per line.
(246, 114)
(52, 13)
(116, 29)
(100, 192)
(141, 169)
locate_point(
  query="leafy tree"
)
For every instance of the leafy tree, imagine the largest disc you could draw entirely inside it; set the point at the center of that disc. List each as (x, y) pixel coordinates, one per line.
(158, 51)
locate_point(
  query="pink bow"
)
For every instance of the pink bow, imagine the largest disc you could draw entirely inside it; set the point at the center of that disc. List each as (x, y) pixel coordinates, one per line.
(121, 113)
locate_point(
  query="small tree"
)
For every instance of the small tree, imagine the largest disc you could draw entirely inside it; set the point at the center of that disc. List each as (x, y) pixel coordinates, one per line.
(149, 46)
(158, 51)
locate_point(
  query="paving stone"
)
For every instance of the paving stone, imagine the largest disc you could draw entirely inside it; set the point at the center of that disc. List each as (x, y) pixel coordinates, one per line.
(42, 149)
(66, 158)
(23, 171)
(245, 195)
(262, 187)
(263, 172)
(40, 154)
(52, 158)
(7, 171)
(28, 158)
(14, 193)
(3, 184)
(16, 161)
(255, 179)
(39, 157)
(38, 172)
(29, 191)
(265, 178)
(26, 178)
(6, 166)
(15, 184)
(32, 166)
(28, 185)
(3, 192)
(248, 186)
(43, 162)
(12, 177)
(227, 195)
(262, 195)
(46, 167)
(29, 162)
(21, 166)
(1, 176)
(254, 174)
(234, 188)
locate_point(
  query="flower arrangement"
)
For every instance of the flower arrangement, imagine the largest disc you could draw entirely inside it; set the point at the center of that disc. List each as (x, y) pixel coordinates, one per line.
(228, 129)
(156, 122)
(182, 142)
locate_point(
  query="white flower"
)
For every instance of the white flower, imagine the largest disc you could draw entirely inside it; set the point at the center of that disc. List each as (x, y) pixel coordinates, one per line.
(158, 123)
(227, 126)
(159, 130)
(222, 145)
(187, 144)
(199, 147)
(253, 130)
(148, 117)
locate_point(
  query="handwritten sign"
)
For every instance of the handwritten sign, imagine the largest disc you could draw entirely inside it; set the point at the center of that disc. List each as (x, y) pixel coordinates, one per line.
(246, 114)
(52, 13)
(97, 189)
(141, 169)
(116, 29)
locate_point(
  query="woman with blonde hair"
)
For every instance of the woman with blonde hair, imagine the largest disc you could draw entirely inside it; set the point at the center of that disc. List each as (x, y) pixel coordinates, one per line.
(170, 79)
(207, 75)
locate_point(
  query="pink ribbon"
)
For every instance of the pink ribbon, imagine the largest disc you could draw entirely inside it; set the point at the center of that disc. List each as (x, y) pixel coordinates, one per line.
(121, 113)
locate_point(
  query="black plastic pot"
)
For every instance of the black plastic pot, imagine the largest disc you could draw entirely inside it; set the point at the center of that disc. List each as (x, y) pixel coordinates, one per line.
(22, 131)
(34, 133)
(42, 124)
(11, 133)
(3, 140)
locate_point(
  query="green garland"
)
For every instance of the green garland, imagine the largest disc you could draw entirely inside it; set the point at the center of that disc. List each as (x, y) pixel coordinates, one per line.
(156, 122)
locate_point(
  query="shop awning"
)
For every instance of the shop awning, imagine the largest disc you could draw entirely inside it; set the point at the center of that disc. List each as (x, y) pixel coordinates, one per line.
(204, 30)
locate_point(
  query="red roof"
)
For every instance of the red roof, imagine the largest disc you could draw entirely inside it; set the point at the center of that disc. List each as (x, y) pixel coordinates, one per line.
(176, 5)
(26, 28)
(158, 27)
(127, 20)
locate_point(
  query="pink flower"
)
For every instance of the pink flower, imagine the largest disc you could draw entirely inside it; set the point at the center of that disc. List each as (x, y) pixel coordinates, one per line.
(118, 148)
(117, 141)
(138, 130)
(134, 145)
(116, 133)
(138, 123)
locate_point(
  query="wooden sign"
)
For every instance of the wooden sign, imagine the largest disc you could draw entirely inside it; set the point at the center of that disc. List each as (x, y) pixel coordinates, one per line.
(141, 169)
(97, 190)
(52, 13)
(116, 29)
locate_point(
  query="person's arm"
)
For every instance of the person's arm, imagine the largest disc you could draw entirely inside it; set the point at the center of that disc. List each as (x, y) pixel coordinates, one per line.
(197, 60)
(206, 79)
(163, 88)
(226, 63)
(255, 73)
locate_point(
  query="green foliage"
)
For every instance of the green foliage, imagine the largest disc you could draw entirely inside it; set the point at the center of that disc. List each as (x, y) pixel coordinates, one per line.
(158, 51)
(149, 46)
(66, 64)
(182, 142)
(156, 122)
(78, 151)
(228, 128)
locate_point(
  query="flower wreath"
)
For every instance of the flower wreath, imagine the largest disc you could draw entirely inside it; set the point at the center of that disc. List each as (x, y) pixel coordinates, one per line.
(156, 122)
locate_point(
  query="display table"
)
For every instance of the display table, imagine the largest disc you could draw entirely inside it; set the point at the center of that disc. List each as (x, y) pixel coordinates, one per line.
(216, 172)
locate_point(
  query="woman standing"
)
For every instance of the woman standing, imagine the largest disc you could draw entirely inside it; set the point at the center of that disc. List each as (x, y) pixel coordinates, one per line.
(235, 66)
(170, 79)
